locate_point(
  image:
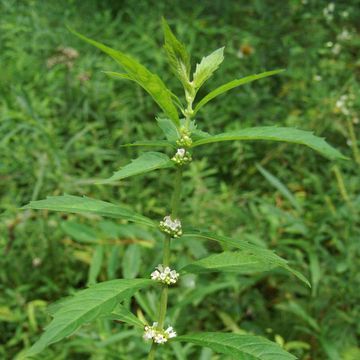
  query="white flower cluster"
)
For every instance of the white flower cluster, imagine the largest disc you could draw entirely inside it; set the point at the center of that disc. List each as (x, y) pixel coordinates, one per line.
(165, 275)
(184, 141)
(171, 227)
(158, 336)
(181, 157)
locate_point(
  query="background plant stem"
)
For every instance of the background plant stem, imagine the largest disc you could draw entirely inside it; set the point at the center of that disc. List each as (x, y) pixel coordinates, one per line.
(175, 204)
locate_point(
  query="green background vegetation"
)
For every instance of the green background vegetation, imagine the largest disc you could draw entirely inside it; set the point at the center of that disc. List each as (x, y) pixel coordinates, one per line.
(62, 122)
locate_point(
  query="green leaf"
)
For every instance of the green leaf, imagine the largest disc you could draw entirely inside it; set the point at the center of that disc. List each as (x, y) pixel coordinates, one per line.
(86, 306)
(267, 256)
(146, 162)
(117, 75)
(135, 71)
(169, 129)
(179, 58)
(275, 133)
(132, 261)
(95, 266)
(122, 314)
(77, 204)
(231, 85)
(152, 143)
(207, 66)
(244, 262)
(80, 232)
(273, 180)
(238, 346)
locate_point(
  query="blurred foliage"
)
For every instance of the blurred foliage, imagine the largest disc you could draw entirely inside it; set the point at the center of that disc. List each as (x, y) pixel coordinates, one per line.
(62, 122)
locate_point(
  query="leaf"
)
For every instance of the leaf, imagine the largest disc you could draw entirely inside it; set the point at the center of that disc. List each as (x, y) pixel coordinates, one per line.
(80, 232)
(131, 261)
(241, 347)
(77, 204)
(273, 180)
(117, 75)
(169, 129)
(207, 66)
(122, 314)
(231, 85)
(244, 262)
(135, 71)
(95, 265)
(146, 162)
(267, 255)
(86, 306)
(275, 133)
(155, 143)
(179, 58)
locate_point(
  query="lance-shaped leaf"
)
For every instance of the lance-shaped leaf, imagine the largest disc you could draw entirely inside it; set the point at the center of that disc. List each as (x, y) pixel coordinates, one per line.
(207, 66)
(178, 56)
(169, 129)
(86, 306)
(124, 315)
(78, 204)
(146, 162)
(238, 346)
(140, 74)
(150, 143)
(231, 85)
(241, 262)
(275, 133)
(267, 256)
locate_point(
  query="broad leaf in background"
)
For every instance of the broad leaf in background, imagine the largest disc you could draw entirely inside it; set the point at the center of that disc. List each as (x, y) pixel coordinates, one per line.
(241, 262)
(138, 73)
(231, 85)
(273, 180)
(179, 58)
(267, 255)
(146, 162)
(86, 306)
(241, 347)
(207, 66)
(131, 261)
(275, 133)
(95, 265)
(78, 204)
(80, 232)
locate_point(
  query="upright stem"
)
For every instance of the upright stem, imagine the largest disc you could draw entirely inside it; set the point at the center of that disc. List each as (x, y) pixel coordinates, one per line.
(175, 204)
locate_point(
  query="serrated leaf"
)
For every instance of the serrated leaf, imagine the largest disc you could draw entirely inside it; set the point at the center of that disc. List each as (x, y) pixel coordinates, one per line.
(231, 85)
(244, 262)
(207, 66)
(146, 162)
(77, 204)
(169, 129)
(275, 133)
(140, 74)
(238, 346)
(86, 306)
(267, 255)
(122, 314)
(179, 58)
(150, 143)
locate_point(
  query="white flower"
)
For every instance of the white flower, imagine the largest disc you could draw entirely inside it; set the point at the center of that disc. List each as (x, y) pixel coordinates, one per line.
(170, 226)
(344, 35)
(336, 49)
(159, 336)
(165, 275)
(317, 78)
(181, 157)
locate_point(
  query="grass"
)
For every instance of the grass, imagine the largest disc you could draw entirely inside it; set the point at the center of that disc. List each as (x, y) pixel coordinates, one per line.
(61, 127)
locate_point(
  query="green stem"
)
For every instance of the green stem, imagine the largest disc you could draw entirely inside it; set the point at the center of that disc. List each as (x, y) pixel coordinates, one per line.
(175, 204)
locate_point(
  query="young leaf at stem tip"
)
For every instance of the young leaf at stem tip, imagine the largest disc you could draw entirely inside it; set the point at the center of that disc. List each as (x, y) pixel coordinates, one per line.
(179, 58)
(141, 75)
